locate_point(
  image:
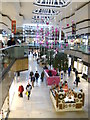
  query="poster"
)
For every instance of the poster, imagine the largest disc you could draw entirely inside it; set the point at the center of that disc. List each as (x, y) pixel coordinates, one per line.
(14, 26)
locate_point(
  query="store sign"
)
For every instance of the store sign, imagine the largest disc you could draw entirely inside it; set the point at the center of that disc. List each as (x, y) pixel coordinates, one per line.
(73, 28)
(14, 26)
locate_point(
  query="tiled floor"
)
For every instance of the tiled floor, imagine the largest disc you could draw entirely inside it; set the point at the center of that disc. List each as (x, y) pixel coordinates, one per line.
(40, 105)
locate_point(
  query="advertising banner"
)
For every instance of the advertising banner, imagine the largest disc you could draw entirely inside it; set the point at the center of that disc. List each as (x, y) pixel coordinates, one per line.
(14, 26)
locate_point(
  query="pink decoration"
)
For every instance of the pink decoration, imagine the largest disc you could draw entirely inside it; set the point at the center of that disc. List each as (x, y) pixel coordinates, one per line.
(61, 46)
(55, 41)
(40, 42)
(47, 46)
(52, 43)
(67, 25)
(56, 49)
(56, 30)
(52, 30)
(50, 79)
(51, 46)
(37, 26)
(72, 21)
(41, 29)
(71, 40)
(47, 33)
(66, 44)
(47, 42)
(47, 23)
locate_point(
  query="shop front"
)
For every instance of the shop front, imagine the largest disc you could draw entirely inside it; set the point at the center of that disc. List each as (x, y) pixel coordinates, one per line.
(85, 71)
(8, 96)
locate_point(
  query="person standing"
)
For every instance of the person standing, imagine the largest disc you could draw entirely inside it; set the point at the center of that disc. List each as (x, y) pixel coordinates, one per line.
(21, 89)
(28, 88)
(11, 41)
(33, 80)
(36, 76)
(42, 75)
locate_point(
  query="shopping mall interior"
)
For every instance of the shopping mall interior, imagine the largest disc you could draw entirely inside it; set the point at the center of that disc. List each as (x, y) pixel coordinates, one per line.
(44, 59)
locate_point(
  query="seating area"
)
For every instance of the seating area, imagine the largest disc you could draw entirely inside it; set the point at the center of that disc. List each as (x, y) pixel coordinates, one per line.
(51, 77)
(67, 101)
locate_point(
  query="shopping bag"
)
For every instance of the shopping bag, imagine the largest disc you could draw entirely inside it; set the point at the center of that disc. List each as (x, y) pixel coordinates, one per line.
(26, 93)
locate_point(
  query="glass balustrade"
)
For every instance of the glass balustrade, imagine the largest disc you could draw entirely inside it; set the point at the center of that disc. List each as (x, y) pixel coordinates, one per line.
(9, 54)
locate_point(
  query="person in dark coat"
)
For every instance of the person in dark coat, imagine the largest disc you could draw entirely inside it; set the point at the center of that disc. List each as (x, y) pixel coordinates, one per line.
(36, 76)
(31, 74)
(77, 80)
(45, 67)
(50, 73)
(11, 41)
(76, 73)
(42, 75)
(33, 80)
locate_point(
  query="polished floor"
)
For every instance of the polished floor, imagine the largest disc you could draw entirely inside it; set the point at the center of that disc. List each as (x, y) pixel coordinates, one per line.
(40, 104)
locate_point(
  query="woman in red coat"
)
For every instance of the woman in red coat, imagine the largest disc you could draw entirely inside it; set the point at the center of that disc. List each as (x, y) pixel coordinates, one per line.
(21, 89)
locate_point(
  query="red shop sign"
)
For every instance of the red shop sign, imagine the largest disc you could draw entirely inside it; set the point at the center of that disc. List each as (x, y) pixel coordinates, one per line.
(13, 26)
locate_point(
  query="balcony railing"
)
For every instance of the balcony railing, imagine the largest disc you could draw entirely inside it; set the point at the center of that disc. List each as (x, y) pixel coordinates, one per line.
(9, 54)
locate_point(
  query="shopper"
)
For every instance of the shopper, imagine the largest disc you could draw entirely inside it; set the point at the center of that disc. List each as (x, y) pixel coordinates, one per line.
(77, 80)
(33, 80)
(11, 41)
(76, 73)
(69, 71)
(35, 54)
(21, 89)
(36, 76)
(31, 74)
(45, 67)
(42, 75)
(28, 88)
(50, 73)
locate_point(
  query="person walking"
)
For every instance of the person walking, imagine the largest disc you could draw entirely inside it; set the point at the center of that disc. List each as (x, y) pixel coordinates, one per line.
(69, 71)
(42, 75)
(36, 76)
(28, 89)
(21, 89)
(33, 80)
(77, 80)
(76, 73)
(31, 74)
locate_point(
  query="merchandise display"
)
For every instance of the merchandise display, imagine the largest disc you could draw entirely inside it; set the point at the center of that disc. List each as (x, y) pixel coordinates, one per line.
(67, 101)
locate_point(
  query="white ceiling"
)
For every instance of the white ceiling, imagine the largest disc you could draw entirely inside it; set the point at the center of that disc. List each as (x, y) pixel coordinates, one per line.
(25, 7)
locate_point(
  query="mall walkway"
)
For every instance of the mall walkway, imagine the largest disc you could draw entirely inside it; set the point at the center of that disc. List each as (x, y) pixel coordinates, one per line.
(40, 105)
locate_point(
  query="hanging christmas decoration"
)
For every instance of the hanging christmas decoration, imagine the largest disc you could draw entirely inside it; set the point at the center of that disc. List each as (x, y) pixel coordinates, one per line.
(47, 23)
(72, 21)
(51, 46)
(66, 44)
(46, 42)
(61, 47)
(67, 25)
